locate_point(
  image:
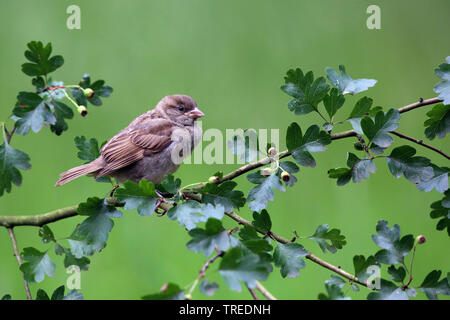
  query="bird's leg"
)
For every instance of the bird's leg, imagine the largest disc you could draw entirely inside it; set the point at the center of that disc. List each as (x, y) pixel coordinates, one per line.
(160, 200)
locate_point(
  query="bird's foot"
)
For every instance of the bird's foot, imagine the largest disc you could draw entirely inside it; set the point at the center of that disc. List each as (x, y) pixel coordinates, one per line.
(159, 206)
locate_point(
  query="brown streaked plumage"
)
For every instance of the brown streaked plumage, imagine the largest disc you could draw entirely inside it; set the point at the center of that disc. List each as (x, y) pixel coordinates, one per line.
(143, 150)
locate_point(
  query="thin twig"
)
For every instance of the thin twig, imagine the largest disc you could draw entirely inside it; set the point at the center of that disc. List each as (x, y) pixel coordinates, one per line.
(420, 142)
(252, 292)
(266, 293)
(19, 261)
(419, 104)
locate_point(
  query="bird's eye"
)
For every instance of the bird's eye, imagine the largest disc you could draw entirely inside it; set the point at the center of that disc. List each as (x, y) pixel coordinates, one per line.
(181, 108)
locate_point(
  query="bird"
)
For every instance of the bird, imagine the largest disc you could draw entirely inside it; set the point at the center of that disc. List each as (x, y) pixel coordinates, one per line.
(150, 147)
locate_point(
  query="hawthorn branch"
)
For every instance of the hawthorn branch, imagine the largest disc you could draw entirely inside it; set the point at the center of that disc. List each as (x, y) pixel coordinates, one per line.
(202, 273)
(420, 142)
(266, 293)
(252, 292)
(19, 260)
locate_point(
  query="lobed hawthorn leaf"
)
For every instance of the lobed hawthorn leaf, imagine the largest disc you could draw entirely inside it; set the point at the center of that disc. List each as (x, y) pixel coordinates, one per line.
(323, 234)
(70, 259)
(358, 170)
(443, 87)
(189, 213)
(46, 234)
(388, 291)
(288, 258)
(91, 235)
(333, 102)
(362, 108)
(169, 184)
(208, 288)
(42, 295)
(6, 297)
(415, 169)
(346, 84)
(335, 280)
(40, 61)
(223, 194)
(140, 196)
(36, 265)
(259, 195)
(58, 294)
(441, 209)
(306, 91)
(438, 123)
(397, 275)
(73, 295)
(262, 221)
(248, 233)
(213, 236)
(300, 146)
(432, 286)
(240, 264)
(32, 112)
(99, 88)
(394, 248)
(171, 291)
(439, 181)
(334, 292)
(89, 149)
(377, 130)
(261, 247)
(61, 111)
(363, 267)
(10, 161)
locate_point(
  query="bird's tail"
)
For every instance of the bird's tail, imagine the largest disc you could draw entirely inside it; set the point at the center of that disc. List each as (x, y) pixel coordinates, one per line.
(78, 172)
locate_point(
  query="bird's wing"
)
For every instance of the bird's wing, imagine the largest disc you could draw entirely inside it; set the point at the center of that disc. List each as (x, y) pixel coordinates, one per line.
(130, 145)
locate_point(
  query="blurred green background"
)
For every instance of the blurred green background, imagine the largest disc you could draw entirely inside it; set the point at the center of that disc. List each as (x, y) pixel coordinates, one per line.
(231, 57)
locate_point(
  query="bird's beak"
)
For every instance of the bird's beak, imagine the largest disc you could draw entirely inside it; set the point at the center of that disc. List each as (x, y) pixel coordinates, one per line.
(195, 114)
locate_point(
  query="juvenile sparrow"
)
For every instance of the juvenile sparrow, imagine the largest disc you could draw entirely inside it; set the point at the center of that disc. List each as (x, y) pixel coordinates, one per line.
(150, 147)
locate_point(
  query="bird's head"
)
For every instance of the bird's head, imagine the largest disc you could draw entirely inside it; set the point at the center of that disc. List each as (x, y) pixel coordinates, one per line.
(179, 108)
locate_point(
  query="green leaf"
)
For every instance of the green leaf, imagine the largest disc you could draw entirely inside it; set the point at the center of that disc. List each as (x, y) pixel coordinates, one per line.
(337, 281)
(141, 196)
(36, 265)
(402, 161)
(306, 91)
(333, 102)
(397, 275)
(10, 161)
(438, 123)
(223, 194)
(300, 145)
(362, 107)
(70, 259)
(46, 234)
(441, 209)
(262, 221)
(432, 286)
(32, 113)
(91, 235)
(89, 150)
(347, 84)
(323, 235)
(189, 213)
(73, 295)
(394, 248)
(334, 292)
(362, 265)
(388, 291)
(259, 196)
(58, 294)
(443, 87)
(170, 291)
(287, 257)
(99, 88)
(61, 112)
(214, 235)
(378, 130)
(6, 297)
(208, 288)
(42, 295)
(240, 264)
(41, 63)
(358, 170)
(248, 233)
(169, 184)
(439, 181)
